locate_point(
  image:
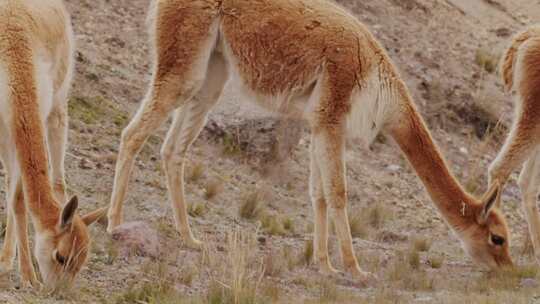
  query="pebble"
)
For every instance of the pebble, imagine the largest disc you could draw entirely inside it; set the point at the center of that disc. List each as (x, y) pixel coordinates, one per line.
(529, 283)
(85, 164)
(393, 168)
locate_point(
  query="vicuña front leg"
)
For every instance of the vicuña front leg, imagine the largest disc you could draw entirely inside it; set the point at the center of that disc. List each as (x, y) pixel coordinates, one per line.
(330, 149)
(320, 211)
(57, 128)
(26, 266)
(529, 180)
(8, 250)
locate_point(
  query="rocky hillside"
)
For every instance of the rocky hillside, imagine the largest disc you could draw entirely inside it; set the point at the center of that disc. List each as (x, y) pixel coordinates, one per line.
(255, 218)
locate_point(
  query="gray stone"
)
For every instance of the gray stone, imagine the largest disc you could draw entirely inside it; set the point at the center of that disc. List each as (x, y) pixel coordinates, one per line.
(136, 238)
(529, 283)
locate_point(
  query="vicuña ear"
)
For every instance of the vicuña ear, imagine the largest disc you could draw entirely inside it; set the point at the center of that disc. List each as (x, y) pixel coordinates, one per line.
(489, 200)
(69, 212)
(94, 216)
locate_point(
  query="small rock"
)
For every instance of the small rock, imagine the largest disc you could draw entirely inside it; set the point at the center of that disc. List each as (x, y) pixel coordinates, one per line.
(387, 236)
(503, 32)
(85, 164)
(529, 283)
(424, 300)
(393, 168)
(463, 150)
(136, 238)
(262, 240)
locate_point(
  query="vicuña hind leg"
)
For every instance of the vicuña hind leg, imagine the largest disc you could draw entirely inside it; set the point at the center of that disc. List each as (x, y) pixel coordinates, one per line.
(188, 123)
(155, 110)
(180, 72)
(529, 181)
(330, 153)
(320, 210)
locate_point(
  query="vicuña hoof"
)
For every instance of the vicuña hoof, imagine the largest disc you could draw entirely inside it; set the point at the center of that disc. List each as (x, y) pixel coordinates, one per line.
(365, 278)
(194, 244)
(31, 284)
(327, 269)
(112, 224)
(6, 265)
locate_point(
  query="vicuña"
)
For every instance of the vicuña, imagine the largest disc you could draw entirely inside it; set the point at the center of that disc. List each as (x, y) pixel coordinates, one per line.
(36, 64)
(306, 59)
(521, 75)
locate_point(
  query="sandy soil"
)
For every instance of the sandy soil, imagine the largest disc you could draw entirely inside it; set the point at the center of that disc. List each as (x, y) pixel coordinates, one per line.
(434, 43)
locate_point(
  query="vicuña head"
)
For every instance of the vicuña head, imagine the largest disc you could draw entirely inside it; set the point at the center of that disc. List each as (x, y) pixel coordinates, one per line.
(62, 250)
(487, 240)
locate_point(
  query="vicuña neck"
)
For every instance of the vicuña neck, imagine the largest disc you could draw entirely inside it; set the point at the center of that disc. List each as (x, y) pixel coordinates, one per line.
(414, 139)
(29, 134)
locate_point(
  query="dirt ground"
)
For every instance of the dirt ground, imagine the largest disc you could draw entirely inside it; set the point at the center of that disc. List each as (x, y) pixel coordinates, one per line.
(446, 51)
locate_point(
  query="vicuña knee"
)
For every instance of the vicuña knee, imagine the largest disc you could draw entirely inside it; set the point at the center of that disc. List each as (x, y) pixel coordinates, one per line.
(129, 140)
(172, 159)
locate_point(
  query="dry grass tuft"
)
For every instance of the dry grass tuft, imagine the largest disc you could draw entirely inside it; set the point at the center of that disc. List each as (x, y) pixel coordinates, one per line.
(367, 219)
(288, 224)
(413, 258)
(359, 228)
(421, 244)
(158, 289)
(486, 60)
(377, 215)
(241, 273)
(196, 172)
(231, 145)
(272, 225)
(197, 210)
(506, 279)
(307, 253)
(404, 272)
(213, 188)
(435, 261)
(250, 207)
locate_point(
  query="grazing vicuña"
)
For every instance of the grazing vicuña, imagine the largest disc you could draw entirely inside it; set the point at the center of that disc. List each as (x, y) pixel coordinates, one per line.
(305, 59)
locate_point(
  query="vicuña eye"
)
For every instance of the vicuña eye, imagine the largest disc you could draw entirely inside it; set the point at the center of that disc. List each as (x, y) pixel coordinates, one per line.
(60, 259)
(497, 240)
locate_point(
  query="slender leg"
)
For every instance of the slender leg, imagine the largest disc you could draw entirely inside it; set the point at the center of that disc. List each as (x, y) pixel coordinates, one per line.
(152, 114)
(529, 180)
(329, 151)
(9, 248)
(183, 55)
(26, 267)
(57, 130)
(320, 211)
(188, 123)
